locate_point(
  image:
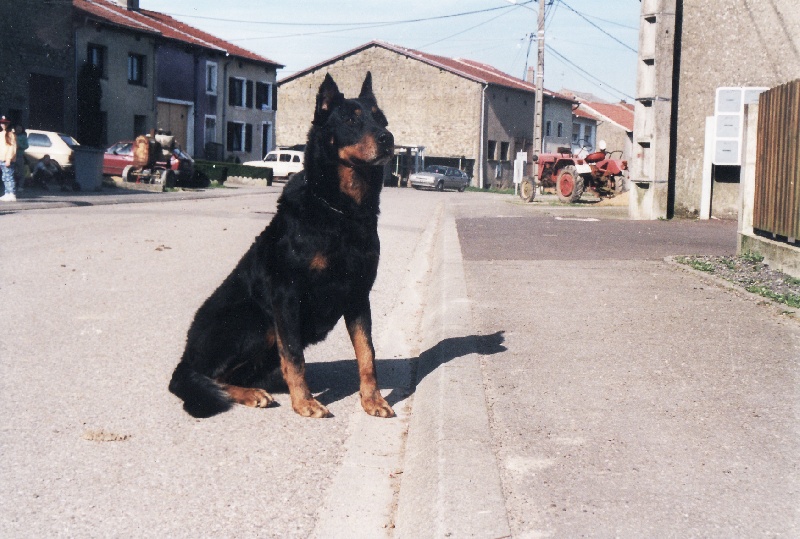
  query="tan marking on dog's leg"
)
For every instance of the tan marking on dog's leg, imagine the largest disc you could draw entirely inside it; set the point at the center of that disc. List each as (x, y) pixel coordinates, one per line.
(319, 262)
(249, 396)
(294, 375)
(270, 338)
(371, 399)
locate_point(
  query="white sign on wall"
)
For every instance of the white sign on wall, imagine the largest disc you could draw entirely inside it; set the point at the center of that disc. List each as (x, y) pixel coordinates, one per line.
(728, 120)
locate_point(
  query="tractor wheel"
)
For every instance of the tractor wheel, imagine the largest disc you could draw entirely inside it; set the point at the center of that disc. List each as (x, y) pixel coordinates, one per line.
(569, 185)
(127, 174)
(440, 185)
(527, 190)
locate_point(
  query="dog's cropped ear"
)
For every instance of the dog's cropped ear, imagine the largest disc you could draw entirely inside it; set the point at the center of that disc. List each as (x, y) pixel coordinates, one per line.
(366, 89)
(327, 98)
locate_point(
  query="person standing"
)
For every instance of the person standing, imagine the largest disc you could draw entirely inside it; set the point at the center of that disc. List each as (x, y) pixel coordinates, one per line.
(19, 165)
(8, 154)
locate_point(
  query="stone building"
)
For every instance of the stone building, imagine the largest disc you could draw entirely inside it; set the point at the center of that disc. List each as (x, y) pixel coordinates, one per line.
(462, 112)
(688, 49)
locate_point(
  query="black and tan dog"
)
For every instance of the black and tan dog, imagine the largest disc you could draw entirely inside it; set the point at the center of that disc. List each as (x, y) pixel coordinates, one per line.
(314, 263)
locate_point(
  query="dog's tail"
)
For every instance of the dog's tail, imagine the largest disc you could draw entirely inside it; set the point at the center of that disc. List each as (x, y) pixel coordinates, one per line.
(202, 397)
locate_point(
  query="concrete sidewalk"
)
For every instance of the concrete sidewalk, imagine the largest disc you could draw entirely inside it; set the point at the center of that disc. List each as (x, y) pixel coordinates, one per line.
(39, 199)
(632, 398)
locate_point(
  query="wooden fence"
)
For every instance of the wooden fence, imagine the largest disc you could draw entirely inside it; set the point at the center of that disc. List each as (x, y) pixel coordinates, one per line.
(776, 208)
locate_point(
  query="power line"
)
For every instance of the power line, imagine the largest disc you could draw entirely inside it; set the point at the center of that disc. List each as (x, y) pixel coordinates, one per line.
(354, 25)
(467, 29)
(586, 73)
(582, 16)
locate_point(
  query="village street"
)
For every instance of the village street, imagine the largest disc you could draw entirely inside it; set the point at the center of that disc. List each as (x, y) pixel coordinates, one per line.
(551, 373)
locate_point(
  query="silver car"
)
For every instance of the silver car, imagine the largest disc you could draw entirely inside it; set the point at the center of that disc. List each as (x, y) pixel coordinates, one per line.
(440, 178)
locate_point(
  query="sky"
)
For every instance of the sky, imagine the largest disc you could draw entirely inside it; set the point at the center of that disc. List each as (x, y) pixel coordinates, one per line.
(590, 45)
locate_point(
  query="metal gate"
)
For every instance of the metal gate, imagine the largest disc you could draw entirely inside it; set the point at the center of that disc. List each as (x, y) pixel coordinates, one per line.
(776, 208)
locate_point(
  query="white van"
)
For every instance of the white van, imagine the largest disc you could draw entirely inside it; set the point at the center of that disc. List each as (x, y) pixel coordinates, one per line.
(282, 162)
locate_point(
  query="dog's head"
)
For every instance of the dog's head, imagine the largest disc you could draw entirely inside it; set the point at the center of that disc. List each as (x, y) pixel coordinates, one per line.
(354, 130)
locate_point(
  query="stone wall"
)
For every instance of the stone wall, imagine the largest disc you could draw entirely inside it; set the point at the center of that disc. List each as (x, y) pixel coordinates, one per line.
(425, 106)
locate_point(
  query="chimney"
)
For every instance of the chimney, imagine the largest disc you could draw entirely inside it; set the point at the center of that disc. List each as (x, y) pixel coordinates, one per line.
(529, 76)
(133, 5)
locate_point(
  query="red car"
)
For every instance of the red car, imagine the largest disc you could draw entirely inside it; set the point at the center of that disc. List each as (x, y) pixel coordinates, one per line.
(120, 155)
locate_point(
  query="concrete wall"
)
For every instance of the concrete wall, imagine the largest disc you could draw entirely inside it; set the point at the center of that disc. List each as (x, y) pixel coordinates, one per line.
(121, 100)
(727, 43)
(33, 44)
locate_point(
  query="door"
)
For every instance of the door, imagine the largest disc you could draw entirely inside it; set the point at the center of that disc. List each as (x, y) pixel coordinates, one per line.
(174, 117)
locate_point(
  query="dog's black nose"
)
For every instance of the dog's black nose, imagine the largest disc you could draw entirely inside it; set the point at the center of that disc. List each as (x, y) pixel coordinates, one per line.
(386, 139)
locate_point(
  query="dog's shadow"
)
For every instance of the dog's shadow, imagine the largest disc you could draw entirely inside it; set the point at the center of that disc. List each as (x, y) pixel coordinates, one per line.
(336, 380)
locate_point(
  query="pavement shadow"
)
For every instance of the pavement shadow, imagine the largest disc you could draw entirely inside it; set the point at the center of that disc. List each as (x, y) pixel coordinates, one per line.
(336, 380)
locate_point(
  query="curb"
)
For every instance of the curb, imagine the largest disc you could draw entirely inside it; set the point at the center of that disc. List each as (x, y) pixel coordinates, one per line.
(451, 483)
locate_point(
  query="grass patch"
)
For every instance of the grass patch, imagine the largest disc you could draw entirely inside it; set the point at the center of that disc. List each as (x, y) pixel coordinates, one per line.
(700, 265)
(755, 258)
(491, 190)
(792, 300)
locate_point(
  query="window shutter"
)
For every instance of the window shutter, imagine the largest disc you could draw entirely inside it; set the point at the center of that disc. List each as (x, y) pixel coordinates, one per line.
(230, 136)
(249, 94)
(231, 91)
(248, 137)
(274, 97)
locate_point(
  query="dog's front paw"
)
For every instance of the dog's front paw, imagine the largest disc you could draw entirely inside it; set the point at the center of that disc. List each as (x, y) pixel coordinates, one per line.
(310, 408)
(376, 405)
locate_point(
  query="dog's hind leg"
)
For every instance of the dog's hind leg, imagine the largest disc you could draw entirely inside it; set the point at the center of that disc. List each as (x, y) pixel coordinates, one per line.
(249, 396)
(359, 326)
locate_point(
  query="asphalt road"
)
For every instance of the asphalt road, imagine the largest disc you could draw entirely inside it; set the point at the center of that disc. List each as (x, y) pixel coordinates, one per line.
(96, 301)
(553, 377)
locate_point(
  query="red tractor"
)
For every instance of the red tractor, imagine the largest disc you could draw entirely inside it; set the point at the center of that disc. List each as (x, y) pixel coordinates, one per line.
(571, 175)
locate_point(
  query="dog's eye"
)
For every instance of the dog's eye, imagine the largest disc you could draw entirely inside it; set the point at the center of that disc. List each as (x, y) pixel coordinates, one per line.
(351, 121)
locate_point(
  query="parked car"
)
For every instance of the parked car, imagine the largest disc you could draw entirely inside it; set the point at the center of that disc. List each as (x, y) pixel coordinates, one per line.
(440, 178)
(282, 162)
(57, 145)
(120, 155)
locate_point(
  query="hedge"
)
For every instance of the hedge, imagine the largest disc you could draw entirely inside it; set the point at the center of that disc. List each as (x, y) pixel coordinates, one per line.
(220, 171)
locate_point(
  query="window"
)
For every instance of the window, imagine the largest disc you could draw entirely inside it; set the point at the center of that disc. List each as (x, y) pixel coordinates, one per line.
(39, 140)
(587, 134)
(96, 55)
(211, 78)
(576, 133)
(236, 92)
(240, 92)
(263, 96)
(210, 133)
(560, 130)
(240, 137)
(504, 151)
(136, 69)
(492, 150)
(139, 125)
(548, 128)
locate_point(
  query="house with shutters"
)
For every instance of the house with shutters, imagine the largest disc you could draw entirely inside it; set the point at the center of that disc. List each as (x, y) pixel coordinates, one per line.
(154, 72)
(217, 99)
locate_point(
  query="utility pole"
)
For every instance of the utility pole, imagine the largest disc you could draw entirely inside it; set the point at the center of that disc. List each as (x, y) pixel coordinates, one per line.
(537, 116)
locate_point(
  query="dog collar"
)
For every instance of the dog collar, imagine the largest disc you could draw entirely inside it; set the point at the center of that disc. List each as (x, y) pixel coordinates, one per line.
(326, 203)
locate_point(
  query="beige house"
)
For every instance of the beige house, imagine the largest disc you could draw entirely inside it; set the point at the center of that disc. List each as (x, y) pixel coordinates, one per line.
(687, 50)
(463, 113)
